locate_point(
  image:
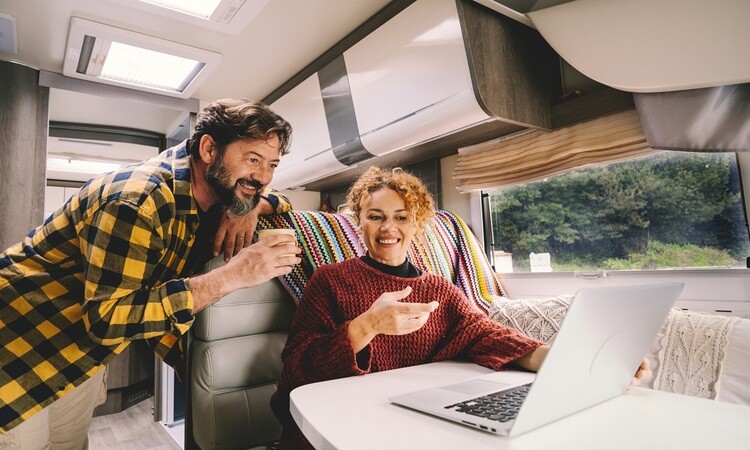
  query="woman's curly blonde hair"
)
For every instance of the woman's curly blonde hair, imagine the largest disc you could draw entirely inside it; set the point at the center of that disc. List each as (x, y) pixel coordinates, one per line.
(417, 199)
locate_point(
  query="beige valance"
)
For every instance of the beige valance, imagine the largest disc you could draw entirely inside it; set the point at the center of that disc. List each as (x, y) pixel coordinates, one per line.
(537, 154)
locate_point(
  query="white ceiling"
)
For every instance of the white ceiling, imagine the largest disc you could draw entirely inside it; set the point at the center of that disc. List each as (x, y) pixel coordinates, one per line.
(287, 35)
(281, 40)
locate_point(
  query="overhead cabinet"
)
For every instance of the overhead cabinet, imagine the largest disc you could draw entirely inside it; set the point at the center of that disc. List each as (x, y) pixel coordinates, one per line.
(439, 73)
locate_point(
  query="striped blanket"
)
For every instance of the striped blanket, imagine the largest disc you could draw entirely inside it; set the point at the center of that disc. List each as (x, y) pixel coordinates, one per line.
(447, 248)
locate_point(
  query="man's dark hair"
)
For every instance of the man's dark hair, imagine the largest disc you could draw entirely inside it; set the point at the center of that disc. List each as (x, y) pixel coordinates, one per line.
(228, 120)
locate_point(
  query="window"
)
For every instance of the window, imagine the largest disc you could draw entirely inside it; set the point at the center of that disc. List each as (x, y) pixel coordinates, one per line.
(670, 210)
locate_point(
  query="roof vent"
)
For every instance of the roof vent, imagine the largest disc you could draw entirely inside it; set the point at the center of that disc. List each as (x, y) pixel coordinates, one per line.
(105, 54)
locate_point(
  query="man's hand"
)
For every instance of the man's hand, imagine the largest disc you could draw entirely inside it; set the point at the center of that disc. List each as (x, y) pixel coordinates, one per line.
(388, 315)
(236, 232)
(256, 264)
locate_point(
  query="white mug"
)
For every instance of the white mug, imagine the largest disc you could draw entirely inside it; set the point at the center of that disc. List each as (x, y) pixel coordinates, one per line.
(263, 234)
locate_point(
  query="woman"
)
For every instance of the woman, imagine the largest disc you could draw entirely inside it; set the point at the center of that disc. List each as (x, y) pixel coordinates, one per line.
(379, 312)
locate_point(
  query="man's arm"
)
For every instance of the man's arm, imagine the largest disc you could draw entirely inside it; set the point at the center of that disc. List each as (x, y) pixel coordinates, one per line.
(125, 257)
(124, 247)
(279, 202)
(256, 264)
(236, 232)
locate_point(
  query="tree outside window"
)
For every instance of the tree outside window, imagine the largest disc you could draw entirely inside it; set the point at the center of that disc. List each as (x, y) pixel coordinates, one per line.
(666, 211)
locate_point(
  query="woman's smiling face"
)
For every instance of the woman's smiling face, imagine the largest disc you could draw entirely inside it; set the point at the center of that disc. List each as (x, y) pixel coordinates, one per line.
(387, 226)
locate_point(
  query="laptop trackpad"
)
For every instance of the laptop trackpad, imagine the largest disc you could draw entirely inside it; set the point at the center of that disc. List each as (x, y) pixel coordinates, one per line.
(475, 387)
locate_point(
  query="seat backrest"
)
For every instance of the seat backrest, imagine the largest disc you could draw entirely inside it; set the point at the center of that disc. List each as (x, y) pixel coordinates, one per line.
(235, 362)
(447, 248)
(235, 351)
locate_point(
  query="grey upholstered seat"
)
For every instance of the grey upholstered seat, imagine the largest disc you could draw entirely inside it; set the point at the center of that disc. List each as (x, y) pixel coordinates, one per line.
(235, 362)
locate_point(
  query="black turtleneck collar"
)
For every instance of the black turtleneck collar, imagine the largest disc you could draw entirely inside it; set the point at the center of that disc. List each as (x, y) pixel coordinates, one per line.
(405, 270)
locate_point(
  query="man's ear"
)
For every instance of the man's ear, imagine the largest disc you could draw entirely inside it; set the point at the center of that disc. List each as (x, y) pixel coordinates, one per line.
(207, 149)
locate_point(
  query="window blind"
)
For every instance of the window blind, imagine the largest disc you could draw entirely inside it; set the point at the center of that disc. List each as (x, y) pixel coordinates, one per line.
(537, 154)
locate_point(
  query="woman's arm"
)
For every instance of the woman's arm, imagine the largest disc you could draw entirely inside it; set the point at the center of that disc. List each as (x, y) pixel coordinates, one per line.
(318, 347)
(388, 315)
(473, 336)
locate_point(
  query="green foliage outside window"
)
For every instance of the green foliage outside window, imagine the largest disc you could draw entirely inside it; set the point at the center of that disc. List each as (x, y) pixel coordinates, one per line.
(669, 210)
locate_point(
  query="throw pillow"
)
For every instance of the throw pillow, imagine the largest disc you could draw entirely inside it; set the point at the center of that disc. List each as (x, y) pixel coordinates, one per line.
(538, 318)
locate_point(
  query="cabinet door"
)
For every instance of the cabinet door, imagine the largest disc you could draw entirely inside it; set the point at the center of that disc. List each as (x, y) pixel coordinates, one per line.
(410, 78)
(310, 154)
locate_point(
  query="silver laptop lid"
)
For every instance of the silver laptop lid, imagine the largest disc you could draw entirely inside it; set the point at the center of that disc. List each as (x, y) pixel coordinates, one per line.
(604, 337)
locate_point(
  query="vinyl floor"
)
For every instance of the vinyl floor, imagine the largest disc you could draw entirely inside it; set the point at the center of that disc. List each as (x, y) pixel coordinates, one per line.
(131, 429)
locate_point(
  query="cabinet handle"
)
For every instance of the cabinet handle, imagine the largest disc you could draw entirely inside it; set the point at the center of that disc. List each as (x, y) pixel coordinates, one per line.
(593, 275)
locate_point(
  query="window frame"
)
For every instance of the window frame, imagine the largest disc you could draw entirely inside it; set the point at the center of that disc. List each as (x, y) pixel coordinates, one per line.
(700, 292)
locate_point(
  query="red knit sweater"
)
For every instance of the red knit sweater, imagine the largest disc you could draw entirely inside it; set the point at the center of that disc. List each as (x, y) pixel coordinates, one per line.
(319, 349)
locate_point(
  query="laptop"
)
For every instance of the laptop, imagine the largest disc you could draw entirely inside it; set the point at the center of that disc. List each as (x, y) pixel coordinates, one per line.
(597, 350)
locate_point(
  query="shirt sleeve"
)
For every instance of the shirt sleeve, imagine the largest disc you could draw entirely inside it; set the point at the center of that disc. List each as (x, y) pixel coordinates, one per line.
(477, 338)
(278, 201)
(124, 246)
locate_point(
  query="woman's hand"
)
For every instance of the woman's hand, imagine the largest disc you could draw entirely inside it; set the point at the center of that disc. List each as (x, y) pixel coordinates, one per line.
(533, 360)
(388, 315)
(642, 374)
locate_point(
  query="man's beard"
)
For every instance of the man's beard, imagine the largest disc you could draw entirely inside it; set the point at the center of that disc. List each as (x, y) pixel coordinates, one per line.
(217, 177)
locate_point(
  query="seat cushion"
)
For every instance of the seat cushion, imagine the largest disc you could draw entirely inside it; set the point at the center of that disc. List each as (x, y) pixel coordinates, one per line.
(232, 381)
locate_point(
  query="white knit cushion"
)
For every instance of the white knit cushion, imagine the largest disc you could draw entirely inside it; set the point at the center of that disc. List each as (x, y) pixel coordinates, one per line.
(538, 318)
(692, 353)
(735, 374)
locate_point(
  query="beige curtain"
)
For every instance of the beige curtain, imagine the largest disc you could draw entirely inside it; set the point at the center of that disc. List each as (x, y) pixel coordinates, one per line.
(534, 155)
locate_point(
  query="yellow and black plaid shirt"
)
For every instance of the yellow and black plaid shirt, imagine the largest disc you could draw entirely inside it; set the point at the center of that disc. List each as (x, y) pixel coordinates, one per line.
(106, 268)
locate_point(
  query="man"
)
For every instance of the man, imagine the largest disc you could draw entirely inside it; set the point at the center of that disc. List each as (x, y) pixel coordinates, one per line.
(112, 266)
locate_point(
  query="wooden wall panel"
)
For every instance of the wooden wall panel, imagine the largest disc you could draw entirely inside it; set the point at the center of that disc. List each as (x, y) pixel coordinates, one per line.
(24, 108)
(512, 67)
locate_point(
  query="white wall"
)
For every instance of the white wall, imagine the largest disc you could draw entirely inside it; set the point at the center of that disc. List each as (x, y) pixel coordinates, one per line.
(303, 200)
(453, 200)
(55, 196)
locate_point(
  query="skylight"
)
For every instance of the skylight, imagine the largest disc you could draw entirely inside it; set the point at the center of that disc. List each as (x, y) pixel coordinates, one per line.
(80, 166)
(143, 67)
(199, 8)
(105, 54)
(224, 16)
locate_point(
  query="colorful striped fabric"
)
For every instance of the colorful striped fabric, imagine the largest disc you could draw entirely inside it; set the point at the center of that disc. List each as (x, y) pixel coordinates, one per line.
(447, 248)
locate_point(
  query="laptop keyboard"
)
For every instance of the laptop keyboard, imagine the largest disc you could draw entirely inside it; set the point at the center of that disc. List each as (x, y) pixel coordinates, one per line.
(501, 406)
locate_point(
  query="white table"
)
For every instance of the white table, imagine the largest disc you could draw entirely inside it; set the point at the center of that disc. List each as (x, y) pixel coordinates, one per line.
(354, 414)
